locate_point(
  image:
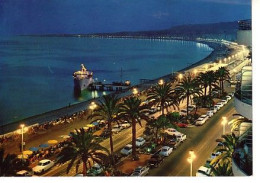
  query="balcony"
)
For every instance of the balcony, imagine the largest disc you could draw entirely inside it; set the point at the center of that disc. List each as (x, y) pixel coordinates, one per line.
(243, 104)
(242, 156)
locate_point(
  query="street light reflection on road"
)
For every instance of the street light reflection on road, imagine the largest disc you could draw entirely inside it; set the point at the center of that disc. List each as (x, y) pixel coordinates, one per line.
(191, 159)
(224, 122)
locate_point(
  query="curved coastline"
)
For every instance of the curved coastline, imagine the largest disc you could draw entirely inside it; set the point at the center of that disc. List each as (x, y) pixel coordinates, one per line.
(219, 51)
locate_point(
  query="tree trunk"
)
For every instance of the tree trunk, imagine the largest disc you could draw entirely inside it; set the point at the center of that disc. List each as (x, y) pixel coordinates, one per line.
(111, 143)
(156, 135)
(162, 107)
(209, 90)
(84, 170)
(188, 98)
(134, 139)
(205, 92)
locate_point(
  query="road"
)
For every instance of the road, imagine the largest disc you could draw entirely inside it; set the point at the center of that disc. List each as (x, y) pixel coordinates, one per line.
(202, 140)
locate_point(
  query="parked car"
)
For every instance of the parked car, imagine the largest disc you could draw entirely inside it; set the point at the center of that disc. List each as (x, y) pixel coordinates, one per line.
(95, 170)
(214, 109)
(105, 133)
(191, 107)
(201, 120)
(181, 125)
(174, 143)
(181, 137)
(210, 113)
(171, 131)
(214, 155)
(223, 101)
(43, 166)
(220, 104)
(153, 110)
(125, 124)
(166, 151)
(24, 173)
(228, 97)
(117, 128)
(231, 94)
(140, 171)
(127, 150)
(203, 172)
(155, 160)
(217, 107)
(183, 112)
(140, 141)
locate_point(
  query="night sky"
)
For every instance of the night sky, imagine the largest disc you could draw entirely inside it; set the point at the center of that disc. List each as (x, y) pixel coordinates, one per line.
(96, 16)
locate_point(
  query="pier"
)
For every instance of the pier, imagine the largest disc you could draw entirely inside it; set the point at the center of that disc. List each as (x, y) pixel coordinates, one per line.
(115, 86)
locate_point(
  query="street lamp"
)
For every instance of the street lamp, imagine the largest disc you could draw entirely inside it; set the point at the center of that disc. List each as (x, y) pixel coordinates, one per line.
(92, 106)
(195, 72)
(180, 76)
(161, 82)
(190, 160)
(224, 122)
(22, 126)
(135, 91)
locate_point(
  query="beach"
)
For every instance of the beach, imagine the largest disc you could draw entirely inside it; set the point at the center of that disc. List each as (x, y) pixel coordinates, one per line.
(220, 51)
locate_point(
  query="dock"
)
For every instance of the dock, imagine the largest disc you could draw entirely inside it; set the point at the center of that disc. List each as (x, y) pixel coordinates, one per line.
(115, 86)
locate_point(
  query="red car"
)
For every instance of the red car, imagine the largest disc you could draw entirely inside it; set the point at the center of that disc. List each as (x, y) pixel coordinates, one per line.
(181, 125)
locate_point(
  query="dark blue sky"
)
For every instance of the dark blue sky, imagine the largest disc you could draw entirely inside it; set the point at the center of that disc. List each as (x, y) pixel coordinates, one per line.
(90, 16)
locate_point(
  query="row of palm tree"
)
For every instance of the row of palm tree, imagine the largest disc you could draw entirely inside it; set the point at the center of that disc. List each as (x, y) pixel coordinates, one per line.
(111, 110)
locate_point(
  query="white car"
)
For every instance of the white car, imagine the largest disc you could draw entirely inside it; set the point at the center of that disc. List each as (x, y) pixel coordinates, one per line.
(171, 131)
(117, 128)
(191, 107)
(224, 101)
(141, 171)
(201, 120)
(228, 97)
(214, 109)
(220, 104)
(217, 107)
(214, 155)
(125, 124)
(165, 151)
(127, 150)
(140, 141)
(203, 172)
(23, 173)
(181, 137)
(183, 112)
(43, 166)
(210, 113)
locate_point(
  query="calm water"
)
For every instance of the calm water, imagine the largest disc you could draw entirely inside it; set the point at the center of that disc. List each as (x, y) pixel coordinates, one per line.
(36, 72)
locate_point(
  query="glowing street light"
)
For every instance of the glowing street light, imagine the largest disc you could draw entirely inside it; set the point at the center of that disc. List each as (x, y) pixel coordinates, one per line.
(195, 72)
(190, 160)
(135, 91)
(225, 60)
(224, 122)
(161, 82)
(92, 107)
(229, 58)
(22, 126)
(180, 76)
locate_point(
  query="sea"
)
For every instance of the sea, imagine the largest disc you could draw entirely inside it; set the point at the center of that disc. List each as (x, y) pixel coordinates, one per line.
(36, 72)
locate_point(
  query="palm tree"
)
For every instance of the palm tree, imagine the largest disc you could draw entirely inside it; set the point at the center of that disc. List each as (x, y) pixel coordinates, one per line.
(222, 75)
(208, 79)
(229, 144)
(160, 124)
(132, 111)
(10, 164)
(84, 147)
(222, 170)
(186, 89)
(235, 123)
(163, 93)
(107, 109)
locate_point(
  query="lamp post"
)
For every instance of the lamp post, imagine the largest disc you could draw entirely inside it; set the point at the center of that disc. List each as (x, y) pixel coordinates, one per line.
(161, 82)
(92, 106)
(135, 91)
(195, 72)
(22, 126)
(190, 160)
(180, 76)
(224, 121)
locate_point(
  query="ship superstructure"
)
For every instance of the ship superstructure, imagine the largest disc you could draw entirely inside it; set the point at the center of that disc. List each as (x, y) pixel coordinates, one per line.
(82, 78)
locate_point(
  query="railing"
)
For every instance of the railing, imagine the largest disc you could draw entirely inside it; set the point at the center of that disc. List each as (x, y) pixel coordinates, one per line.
(243, 98)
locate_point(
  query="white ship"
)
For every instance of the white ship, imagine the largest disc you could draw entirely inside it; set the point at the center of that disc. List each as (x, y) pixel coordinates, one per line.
(82, 79)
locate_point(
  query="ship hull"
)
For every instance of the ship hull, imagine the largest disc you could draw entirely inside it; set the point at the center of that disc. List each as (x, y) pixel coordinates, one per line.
(82, 84)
